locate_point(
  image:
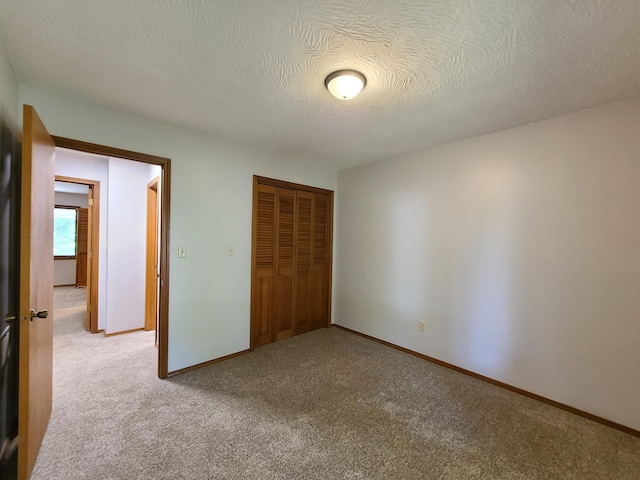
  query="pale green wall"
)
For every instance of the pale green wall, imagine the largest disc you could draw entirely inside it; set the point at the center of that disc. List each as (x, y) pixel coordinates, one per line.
(211, 202)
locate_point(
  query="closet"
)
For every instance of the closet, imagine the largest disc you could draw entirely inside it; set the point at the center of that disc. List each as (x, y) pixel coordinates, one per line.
(291, 260)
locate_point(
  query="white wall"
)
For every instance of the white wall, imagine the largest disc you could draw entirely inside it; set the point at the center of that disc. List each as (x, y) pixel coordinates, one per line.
(211, 201)
(8, 92)
(127, 235)
(91, 167)
(518, 249)
(123, 187)
(64, 269)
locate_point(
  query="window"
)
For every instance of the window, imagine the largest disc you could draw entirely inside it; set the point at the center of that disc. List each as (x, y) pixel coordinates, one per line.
(65, 231)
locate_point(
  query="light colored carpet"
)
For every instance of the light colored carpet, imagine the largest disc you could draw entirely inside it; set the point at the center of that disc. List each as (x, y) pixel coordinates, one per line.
(324, 405)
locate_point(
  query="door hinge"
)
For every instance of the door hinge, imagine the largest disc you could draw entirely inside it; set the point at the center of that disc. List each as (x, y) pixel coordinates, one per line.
(91, 202)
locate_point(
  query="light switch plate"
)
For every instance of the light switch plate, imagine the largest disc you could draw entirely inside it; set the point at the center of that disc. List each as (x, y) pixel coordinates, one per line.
(182, 252)
(230, 250)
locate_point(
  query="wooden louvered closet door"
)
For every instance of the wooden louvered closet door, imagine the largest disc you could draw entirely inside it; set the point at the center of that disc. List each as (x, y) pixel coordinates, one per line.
(304, 229)
(319, 281)
(262, 301)
(291, 261)
(284, 276)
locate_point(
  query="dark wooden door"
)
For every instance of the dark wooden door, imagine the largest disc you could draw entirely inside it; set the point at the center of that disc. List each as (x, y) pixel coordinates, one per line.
(36, 290)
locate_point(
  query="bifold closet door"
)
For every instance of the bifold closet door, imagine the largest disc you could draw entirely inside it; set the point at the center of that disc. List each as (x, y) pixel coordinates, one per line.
(290, 286)
(303, 248)
(284, 263)
(319, 276)
(311, 260)
(262, 304)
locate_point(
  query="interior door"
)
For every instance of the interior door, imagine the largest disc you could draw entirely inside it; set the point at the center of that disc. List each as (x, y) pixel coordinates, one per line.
(36, 289)
(151, 283)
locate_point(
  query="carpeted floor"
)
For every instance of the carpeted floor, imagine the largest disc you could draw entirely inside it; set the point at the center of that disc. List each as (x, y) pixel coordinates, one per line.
(324, 405)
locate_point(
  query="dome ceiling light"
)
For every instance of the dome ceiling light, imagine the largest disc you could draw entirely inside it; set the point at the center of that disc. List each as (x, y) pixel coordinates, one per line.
(345, 84)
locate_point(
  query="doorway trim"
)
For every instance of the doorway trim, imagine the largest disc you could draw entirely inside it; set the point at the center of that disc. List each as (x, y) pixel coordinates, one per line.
(165, 187)
(94, 251)
(151, 267)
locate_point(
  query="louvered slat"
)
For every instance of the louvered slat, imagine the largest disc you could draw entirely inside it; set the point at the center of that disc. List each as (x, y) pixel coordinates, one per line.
(303, 237)
(285, 228)
(320, 229)
(266, 230)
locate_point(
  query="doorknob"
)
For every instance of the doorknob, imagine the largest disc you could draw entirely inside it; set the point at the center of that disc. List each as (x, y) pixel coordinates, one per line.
(40, 314)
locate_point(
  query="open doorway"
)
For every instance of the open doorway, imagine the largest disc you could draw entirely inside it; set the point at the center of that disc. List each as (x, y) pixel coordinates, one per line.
(119, 296)
(76, 241)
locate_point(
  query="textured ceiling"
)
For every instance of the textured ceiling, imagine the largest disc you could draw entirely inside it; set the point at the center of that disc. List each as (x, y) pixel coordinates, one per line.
(253, 70)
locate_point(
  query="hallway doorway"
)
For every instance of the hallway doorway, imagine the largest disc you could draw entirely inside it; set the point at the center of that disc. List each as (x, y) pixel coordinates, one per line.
(121, 296)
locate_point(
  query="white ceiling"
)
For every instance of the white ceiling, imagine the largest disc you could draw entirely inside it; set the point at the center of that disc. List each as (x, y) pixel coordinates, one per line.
(253, 70)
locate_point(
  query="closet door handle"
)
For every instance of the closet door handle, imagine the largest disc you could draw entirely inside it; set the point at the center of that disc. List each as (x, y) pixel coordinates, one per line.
(308, 270)
(279, 272)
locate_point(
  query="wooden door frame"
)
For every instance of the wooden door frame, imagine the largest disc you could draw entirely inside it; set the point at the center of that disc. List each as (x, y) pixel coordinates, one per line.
(165, 205)
(258, 180)
(151, 273)
(92, 294)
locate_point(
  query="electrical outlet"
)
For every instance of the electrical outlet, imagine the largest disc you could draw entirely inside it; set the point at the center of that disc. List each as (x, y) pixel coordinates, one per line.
(421, 326)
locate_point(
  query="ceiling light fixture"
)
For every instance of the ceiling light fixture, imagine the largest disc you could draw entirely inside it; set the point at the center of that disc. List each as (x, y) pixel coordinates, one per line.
(345, 84)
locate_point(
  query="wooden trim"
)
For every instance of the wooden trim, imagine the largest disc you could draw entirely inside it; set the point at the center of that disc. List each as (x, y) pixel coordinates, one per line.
(210, 362)
(497, 383)
(254, 229)
(124, 332)
(65, 285)
(165, 205)
(93, 194)
(163, 314)
(103, 150)
(81, 181)
(289, 185)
